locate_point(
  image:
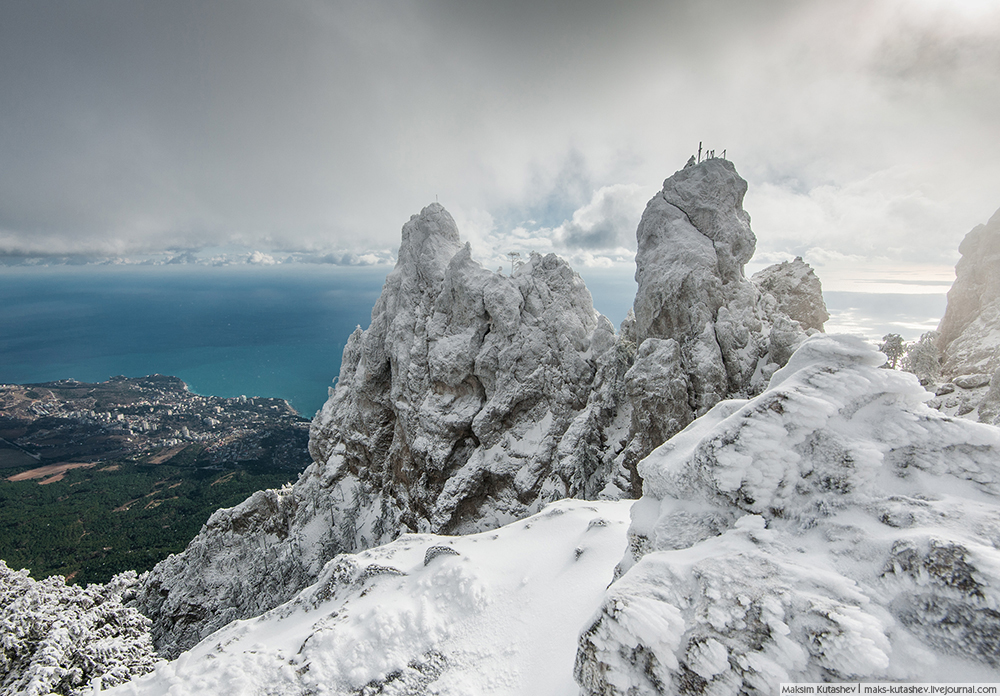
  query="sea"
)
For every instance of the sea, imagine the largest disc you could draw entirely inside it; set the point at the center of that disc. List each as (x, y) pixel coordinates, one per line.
(227, 331)
(276, 331)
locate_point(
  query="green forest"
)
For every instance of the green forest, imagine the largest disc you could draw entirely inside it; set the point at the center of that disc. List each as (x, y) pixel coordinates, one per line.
(117, 516)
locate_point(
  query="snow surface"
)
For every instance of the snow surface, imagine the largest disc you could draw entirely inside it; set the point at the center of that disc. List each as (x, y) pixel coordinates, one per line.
(834, 528)
(491, 613)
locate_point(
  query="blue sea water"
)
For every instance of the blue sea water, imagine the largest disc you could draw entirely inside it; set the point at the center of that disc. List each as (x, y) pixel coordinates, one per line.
(273, 331)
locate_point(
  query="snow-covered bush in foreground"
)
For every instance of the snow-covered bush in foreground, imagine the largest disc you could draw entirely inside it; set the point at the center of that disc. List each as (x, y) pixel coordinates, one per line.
(59, 638)
(832, 528)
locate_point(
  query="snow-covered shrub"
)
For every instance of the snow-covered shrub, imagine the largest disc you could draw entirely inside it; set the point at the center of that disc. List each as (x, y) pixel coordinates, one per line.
(923, 358)
(59, 638)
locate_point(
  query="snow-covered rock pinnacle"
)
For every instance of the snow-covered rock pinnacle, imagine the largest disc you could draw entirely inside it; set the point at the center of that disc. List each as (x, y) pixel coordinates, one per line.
(473, 399)
(834, 528)
(797, 290)
(719, 334)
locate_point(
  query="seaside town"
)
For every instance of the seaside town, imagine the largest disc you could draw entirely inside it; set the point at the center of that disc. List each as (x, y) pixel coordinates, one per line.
(55, 426)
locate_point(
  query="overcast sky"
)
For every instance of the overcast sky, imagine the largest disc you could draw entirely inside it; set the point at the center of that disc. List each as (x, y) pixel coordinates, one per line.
(868, 130)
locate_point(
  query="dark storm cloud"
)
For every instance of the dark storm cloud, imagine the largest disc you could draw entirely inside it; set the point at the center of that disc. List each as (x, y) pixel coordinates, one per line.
(314, 126)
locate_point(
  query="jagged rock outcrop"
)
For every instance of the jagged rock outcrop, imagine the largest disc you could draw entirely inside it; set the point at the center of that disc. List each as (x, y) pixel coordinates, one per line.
(714, 334)
(969, 334)
(471, 400)
(797, 290)
(474, 398)
(834, 528)
(455, 400)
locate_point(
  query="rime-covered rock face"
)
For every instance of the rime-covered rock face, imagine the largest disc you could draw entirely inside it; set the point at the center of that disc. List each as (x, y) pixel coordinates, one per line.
(474, 398)
(797, 290)
(834, 528)
(694, 240)
(454, 402)
(961, 360)
(969, 334)
(471, 400)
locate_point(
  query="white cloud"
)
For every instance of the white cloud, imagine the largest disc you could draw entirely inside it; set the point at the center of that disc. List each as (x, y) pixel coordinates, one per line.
(864, 127)
(608, 221)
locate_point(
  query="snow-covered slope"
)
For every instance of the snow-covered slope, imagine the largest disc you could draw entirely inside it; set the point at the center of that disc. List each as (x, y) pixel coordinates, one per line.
(832, 528)
(489, 613)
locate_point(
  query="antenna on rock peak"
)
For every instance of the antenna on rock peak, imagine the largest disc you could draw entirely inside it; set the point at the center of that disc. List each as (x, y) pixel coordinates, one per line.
(709, 154)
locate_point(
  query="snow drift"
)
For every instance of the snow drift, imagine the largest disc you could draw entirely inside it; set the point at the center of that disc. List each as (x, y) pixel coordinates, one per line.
(490, 613)
(833, 528)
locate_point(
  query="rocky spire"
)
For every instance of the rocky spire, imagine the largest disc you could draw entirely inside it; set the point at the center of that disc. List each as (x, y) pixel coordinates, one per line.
(704, 332)
(797, 290)
(466, 404)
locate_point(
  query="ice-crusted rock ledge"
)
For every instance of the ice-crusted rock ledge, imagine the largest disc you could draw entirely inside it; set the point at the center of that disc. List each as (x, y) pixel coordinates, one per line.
(834, 528)
(473, 399)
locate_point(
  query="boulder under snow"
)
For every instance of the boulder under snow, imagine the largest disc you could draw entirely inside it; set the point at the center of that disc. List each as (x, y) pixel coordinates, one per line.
(834, 528)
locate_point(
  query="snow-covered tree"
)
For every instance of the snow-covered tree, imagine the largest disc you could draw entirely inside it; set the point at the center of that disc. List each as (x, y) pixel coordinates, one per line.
(923, 358)
(893, 347)
(64, 639)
